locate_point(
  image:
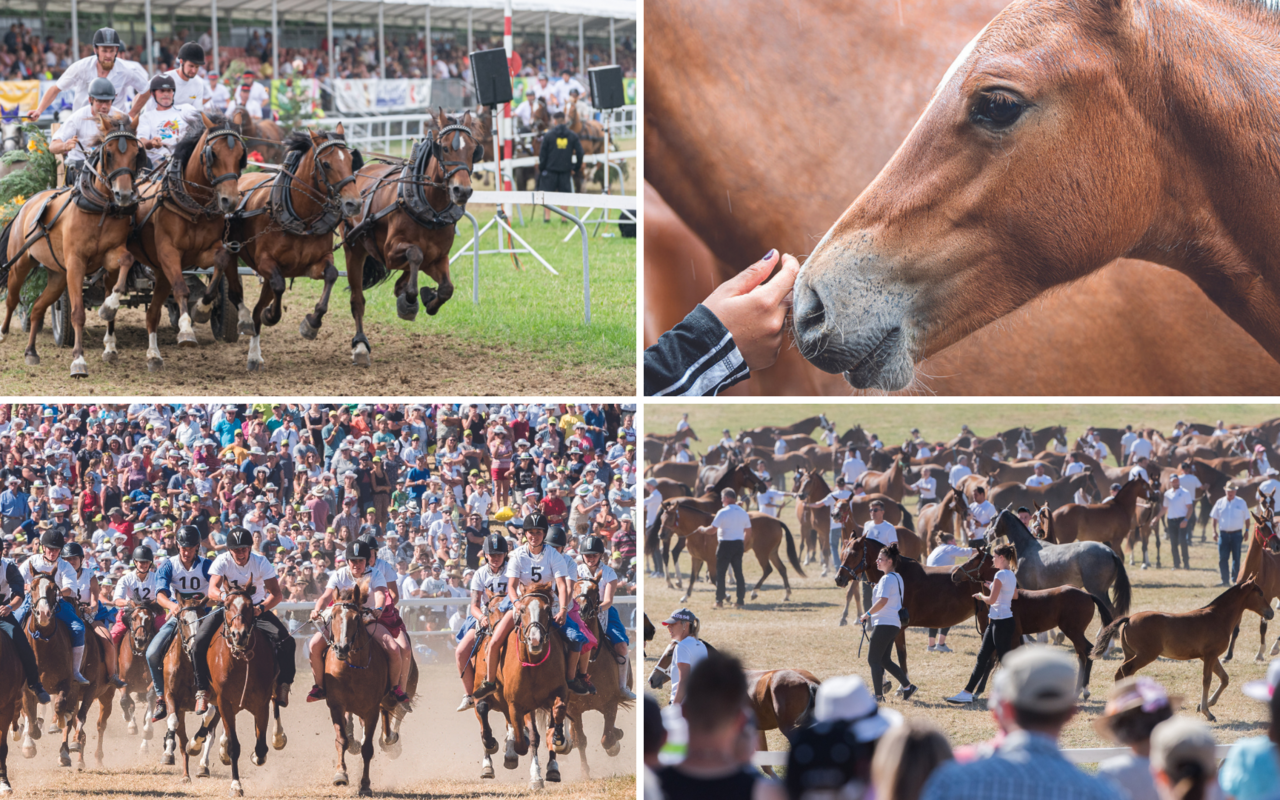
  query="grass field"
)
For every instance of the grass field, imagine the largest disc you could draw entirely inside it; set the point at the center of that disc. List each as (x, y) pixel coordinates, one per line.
(803, 632)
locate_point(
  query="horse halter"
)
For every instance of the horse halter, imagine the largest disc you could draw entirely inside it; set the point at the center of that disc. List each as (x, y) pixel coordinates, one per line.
(133, 637)
(206, 154)
(327, 632)
(239, 651)
(332, 190)
(975, 574)
(524, 631)
(861, 567)
(588, 608)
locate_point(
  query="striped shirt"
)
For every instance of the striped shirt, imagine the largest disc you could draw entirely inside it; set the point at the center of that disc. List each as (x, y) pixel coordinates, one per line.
(1025, 765)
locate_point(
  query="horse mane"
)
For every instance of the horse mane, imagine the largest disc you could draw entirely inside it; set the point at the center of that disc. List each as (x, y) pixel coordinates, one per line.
(542, 587)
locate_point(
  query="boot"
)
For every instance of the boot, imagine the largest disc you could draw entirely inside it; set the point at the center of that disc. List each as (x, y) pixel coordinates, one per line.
(42, 697)
(627, 694)
(77, 658)
(162, 711)
(117, 681)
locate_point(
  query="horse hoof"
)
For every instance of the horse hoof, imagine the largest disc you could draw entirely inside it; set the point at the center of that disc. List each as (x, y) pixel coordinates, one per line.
(278, 742)
(187, 339)
(155, 364)
(564, 747)
(407, 307)
(236, 790)
(200, 314)
(29, 752)
(393, 750)
(33, 360)
(553, 775)
(107, 313)
(110, 356)
(490, 747)
(167, 760)
(185, 779)
(131, 728)
(535, 786)
(306, 331)
(225, 759)
(75, 747)
(246, 328)
(487, 772)
(340, 779)
(510, 762)
(5, 788)
(360, 356)
(79, 369)
(254, 366)
(365, 791)
(195, 746)
(64, 759)
(1084, 695)
(202, 771)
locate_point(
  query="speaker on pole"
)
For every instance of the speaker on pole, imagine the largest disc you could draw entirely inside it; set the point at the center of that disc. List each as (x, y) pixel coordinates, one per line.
(606, 87)
(491, 76)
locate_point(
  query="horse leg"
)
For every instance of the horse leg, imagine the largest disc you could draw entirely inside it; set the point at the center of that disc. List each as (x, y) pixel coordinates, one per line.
(340, 742)
(310, 325)
(111, 305)
(256, 361)
(171, 267)
(155, 361)
(64, 750)
(29, 723)
(105, 704)
(261, 723)
(278, 737)
(1262, 639)
(235, 294)
(205, 748)
(1222, 677)
(75, 293)
(232, 748)
(360, 348)
(18, 273)
(776, 558)
(407, 290)
(1203, 705)
(1231, 646)
(147, 728)
(694, 566)
(52, 291)
(489, 744)
(271, 316)
(850, 594)
(767, 571)
(535, 766)
(366, 752)
(510, 758)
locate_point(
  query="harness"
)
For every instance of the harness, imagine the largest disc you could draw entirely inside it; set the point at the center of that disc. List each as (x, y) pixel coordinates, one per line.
(87, 196)
(133, 640)
(280, 204)
(411, 196)
(175, 187)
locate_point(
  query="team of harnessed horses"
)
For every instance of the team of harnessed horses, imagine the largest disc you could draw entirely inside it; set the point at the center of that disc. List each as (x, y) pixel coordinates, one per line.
(200, 210)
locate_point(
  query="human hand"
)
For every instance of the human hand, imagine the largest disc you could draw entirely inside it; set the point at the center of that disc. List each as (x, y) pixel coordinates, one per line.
(755, 312)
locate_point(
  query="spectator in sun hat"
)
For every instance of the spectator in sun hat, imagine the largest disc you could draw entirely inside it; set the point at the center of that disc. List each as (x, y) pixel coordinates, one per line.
(1135, 706)
(1251, 770)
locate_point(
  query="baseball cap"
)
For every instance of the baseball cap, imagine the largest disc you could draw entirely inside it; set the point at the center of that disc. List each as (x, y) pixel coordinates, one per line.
(1037, 678)
(680, 615)
(1263, 689)
(1183, 740)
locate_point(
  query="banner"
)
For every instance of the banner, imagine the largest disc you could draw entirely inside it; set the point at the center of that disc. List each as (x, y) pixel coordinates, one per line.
(22, 95)
(521, 85)
(385, 96)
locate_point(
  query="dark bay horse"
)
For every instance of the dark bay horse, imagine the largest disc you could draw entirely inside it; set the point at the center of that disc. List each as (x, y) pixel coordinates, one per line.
(871, 301)
(1203, 633)
(12, 687)
(141, 629)
(263, 136)
(604, 670)
(413, 236)
(72, 233)
(180, 693)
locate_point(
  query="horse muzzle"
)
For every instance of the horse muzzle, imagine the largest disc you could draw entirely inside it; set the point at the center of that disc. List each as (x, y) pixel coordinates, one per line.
(350, 208)
(125, 198)
(227, 203)
(460, 194)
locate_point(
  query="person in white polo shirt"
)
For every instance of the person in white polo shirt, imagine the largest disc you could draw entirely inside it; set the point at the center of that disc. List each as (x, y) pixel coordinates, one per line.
(853, 467)
(1074, 465)
(836, 532)
(1039, 478)
(731, 525)
(981, 512)
(946, 554)
(960, 471)
(881, 531)
(1139, 470)
(1176, 510)
(128, 77)
(926, 488)
(683, 627)
(1126, 442)
(780, 446)
(1191, 482)
(1230, 517)
(1141, 448)
(189, 87)
(772, 501)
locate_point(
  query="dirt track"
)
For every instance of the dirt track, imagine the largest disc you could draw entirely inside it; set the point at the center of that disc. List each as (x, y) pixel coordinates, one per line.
(441, 758)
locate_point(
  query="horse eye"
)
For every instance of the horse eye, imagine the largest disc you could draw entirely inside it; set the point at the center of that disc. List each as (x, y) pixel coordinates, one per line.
(998, 110)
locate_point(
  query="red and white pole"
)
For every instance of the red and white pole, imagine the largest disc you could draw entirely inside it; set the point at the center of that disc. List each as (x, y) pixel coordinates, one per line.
(507, 130)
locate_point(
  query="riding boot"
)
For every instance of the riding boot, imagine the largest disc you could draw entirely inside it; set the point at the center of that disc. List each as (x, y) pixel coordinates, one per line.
(77, 658)
(623, 671)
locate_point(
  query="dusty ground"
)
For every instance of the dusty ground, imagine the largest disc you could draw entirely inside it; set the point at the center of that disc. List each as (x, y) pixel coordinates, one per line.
(441, 758)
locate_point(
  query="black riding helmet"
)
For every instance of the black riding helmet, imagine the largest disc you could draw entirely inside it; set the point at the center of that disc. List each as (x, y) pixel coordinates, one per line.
(358, 549)
(163, 81)
(72, 550)
(189, 536)
(495, 543)
(556, 536)
(191, 51)
(592, 545)
(370, 540)
(102, 89)
(52, 539)
(239, 537)
(107, 37)
(535, 521)
(143, 553)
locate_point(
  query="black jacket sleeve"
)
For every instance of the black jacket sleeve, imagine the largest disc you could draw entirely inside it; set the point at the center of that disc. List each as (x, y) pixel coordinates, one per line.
(17, 585)
(695, 358)
(578, 153)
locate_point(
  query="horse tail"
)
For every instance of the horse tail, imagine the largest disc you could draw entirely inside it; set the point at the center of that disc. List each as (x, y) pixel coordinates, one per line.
(375, 272)
(806, 719)
(687, 489)
(5, 264)
(1122, 592)
(907, 522)
(1105, 636)
(792, 555)
(1102, 610)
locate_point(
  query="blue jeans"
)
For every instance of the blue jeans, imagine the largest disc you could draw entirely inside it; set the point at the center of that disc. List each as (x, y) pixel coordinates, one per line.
(1229, 543)
(156, 652)
(63, 612)
(835, 536)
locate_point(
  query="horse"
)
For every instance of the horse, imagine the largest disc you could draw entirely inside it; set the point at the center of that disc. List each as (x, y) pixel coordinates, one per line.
(1007, 471)
(530, 676)
(1056, 494)
(898, 302)
(685, 472)
(179, 222)
(180, 694)
(909, 545)
(671, 439)
(604, 670)
(1262, 565)
(1109, 523)
(657, 546)
(1149, 515)
(242, 671)
(265, 135)
(1065, 608)
(408, 224)
(1202, 633)
(285, 225)
(591, 134)
(765, 435)
(732, 474)
(657, 531)
(1091, 566)
(891, 483)
(766, 534)
(12, 683)
(73, 232)
(949, 516)
(140, 631)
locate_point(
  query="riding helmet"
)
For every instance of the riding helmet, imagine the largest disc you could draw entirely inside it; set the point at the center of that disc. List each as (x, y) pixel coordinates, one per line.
(535, 521)
(496, 543)
(556, 536)
(72, 550)
(107, 37)
(592, 545)
(52, 538)
(102, 89)
(358, 549)
(239, 537)
(143, 553)
(370, 540)
(189, 536)
(191, 51)
(163, 81)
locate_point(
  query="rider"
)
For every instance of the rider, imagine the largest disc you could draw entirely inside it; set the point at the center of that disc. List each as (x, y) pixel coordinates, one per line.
(79, 132)
(105, 63)
(359, 554)
(579, 659)
(139, 587)
(593, 556)
(237, 569)
(165, 121)
(186, 576)
(531, 563)
(489, 581)
(81, 587)
(396, 642)
(49, 562)
(13, 594)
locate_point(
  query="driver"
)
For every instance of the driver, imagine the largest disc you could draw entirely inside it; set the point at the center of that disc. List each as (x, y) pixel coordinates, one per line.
(49, 562)
(79, 132)
(240, 568)
(105, 63)
(80, 586)
(179, 579)
(488, 582)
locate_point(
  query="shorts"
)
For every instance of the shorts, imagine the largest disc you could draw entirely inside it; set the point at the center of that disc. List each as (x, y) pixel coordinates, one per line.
(391, 620)
(614, 630)
(471, 624)
(499, 473)
(555, 182)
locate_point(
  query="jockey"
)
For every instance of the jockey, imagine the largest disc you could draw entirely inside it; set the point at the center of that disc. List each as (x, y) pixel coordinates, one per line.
(593, 555)
(49, 562)
(13, 593)
(359, 554)
(397, 644)
(240, 568)
(185, 576)
(488, 582)
(81, 586)
(557, 540)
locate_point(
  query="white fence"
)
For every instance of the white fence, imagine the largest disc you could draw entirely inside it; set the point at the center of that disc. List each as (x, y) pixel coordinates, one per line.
(1082, 755)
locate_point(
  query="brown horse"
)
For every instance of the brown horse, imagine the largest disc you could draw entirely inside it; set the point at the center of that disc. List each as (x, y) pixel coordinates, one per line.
(530, 676)
(909, 545)
(764, 435)
(871, 301)
(891, 483)
(1055, 494)
(591, 134)
(1203, 633)
(410, 234)
(684, 518)
(12, 682)
(264, 136)
(140, 630)
(685, 472)
(180, 693)
(285, 224)
(179, 224)
(1262, 564)
(658, 446)
(1005, 472)
(604, 671)
(242, 671)
(74, 232)
(1109, 523)
(949, 516)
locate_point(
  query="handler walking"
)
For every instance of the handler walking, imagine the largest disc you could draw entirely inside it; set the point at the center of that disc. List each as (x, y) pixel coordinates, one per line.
(561, 155)
(887, 615)
(731, 524)
(997, 639)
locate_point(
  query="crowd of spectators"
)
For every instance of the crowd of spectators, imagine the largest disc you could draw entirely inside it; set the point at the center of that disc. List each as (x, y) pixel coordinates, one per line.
(428, 481)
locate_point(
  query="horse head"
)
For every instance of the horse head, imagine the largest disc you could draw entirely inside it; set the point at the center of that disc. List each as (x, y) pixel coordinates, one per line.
(337, 165)
(587, 594)
(347, 618)
(223, 157)
(974, 569)
(237, 621)
(120, 157)
(533, 622)
(457, 150)
(1255, 599)
(854, 561)
(142, 626)
(45, 596)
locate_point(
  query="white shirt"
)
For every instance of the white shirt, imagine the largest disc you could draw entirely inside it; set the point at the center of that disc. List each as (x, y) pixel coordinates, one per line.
(958, 473)
(607, 574)
(683, 457)
(1231, 515)
(852, 468)
(1178, 502)
(888, 589)
(1072, 468)
(731, 523)
(563, 88)
(1268, 488)
(254, 109)
(1126, 442)
(780, 448)
(141, 590)
(946, 555)
(1141, 448)
(535, 568)
(771, 502)
(1039, 480)
(928, 488)
(194, 92)
(653, 503)
(59, 570)
(342, 578)
(219, 95)
(688, 651)
(1100, 449)
(1002, 608)
(169, 124)
(1139, 472)
(830, 502)
(486, 580)
(883, 532)
(479, 503)
(1189, 482)
(257, 570)
(980, 514)
(125, 75)
(78, 584)
(83, 125)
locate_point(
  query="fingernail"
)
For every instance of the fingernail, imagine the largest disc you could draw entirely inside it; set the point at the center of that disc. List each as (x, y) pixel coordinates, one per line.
(769, 255)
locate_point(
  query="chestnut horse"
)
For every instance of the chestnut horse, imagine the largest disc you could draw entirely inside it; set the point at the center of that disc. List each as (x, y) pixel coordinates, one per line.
(909, 545)
(891, 482)
(389, 237)
(180, 691)
(895, 281)
(949, 516)
(1203, 633)
(1109, 523)
(1056, 494)
(1262, 564)
(72, 233)
(263, 136)
(12, 683)
(242, 671)
(604, 670)
(683, 518)
(141, 629)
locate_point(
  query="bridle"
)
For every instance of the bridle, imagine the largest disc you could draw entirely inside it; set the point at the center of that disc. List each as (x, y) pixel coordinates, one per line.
(588, 597)
(860, 568)
(177, 184)
(122, 136)
(332, 190)
(135, 629)
(975, 574)
(246, 611)
(525, 630)
(437, 147)
(327, 633)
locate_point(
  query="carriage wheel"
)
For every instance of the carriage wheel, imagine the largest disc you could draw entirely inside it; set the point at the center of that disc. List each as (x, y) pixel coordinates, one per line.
(224, 320)
(63, 334)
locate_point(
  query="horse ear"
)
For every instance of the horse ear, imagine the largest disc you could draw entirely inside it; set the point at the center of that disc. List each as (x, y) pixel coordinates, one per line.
(338, 130)
(208, 123)
(466, 119)
(440, 116)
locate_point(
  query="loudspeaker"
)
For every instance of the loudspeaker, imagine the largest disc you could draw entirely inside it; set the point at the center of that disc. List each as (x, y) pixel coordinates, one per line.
(491, 76)
(606, 87)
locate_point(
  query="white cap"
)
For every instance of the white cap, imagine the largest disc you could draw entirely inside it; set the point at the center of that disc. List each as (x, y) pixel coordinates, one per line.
(847, 698)
(1262, 690)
